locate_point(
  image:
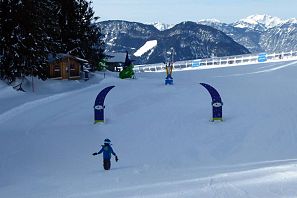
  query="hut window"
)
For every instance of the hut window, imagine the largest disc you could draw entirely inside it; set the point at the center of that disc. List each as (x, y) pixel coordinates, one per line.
(74, 71)
(57, 68)
(72, 68)
(57, 71)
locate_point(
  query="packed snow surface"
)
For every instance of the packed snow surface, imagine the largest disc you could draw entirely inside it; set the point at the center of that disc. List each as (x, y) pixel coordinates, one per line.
(166, 144)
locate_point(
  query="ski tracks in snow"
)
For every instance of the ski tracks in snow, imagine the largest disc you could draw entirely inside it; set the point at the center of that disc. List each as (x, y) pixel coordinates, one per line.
(272, 181)
(10, 114)
(262, 70)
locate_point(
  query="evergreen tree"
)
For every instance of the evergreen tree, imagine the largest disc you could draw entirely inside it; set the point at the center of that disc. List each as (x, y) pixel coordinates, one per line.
(35, 49)
(89, 33)
(10, 39)
(49, 24)
(102, 66)
(32, 29)
(23, 50)
(80, 34)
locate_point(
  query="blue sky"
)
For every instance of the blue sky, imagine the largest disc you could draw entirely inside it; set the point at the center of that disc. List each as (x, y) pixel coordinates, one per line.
(175, 11)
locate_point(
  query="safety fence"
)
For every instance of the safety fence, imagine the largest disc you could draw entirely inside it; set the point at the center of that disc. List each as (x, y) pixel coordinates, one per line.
(216, 62)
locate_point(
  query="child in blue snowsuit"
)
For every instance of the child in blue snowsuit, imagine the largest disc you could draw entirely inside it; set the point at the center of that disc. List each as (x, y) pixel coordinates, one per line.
(107, 151)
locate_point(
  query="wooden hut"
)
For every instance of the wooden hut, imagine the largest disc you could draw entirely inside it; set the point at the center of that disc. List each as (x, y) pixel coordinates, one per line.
(65, 66)
(117, 60)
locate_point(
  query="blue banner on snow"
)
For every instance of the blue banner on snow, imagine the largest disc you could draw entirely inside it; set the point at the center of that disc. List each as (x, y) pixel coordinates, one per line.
(262, 57)
(196, 63)
(217, 110)
(99, 104)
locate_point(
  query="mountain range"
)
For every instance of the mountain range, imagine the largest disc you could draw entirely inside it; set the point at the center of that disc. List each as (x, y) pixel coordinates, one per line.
(148, 43)
(260, 33)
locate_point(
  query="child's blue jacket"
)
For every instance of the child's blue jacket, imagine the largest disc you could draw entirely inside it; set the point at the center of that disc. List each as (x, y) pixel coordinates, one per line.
(107, 151)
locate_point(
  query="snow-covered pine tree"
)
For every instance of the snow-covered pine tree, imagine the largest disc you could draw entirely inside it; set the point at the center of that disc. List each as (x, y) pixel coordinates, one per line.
(23, 50)
(35, 45)
(49, 24)
(92, 44)
(10, 34)
(31, 29)
(80, 36)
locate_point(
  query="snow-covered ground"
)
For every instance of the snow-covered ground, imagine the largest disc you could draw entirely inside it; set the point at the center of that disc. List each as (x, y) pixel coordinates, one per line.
(167, 146)
(146, 47)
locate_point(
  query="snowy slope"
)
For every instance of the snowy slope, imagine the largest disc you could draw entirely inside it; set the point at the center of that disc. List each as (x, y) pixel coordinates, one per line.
(166, 145)
(149, 45)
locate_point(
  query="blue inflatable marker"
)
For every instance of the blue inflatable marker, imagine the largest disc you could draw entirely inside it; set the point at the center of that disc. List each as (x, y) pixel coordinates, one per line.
(99, 104)
(217, 104)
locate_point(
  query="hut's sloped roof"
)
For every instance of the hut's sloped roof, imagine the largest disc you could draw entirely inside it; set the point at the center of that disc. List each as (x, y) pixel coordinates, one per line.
(61, 56)
(116, 57)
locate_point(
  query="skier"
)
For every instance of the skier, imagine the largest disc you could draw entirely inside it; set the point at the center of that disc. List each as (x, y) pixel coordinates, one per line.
(107, 151)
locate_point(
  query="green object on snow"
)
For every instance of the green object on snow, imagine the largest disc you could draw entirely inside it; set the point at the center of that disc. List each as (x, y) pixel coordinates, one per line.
(127, 72)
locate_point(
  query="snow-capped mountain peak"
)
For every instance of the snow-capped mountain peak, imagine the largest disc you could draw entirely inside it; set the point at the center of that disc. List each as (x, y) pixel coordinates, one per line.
(266, 21)
(162, 26)
(209, 21)
(292, 20)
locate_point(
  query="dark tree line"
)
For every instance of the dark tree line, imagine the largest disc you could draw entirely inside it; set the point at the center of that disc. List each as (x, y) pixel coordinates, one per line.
(30, 30)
